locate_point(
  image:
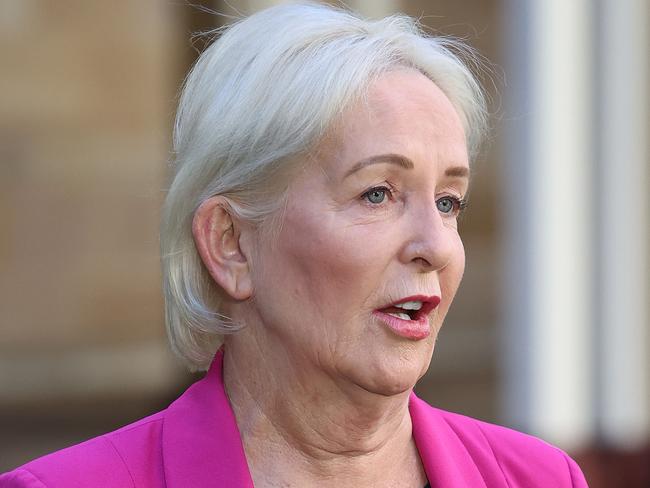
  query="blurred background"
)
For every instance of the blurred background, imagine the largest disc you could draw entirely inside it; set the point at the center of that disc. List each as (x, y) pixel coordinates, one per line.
(549, 332)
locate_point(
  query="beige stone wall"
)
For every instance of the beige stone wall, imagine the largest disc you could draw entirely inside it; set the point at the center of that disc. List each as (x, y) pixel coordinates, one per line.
(86, 105)
(85, 112)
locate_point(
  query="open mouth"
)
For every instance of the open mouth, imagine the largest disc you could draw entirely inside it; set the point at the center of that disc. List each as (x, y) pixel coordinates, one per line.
(409, 317)
(403, 311)
(412, 308)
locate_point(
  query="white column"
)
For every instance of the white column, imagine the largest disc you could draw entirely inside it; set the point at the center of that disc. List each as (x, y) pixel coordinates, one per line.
(622, 204)
(547, 198)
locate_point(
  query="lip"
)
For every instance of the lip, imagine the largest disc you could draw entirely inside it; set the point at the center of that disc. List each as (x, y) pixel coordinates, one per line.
(416, 329)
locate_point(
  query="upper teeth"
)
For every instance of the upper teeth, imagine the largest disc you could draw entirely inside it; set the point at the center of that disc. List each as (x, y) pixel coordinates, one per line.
(409, 305)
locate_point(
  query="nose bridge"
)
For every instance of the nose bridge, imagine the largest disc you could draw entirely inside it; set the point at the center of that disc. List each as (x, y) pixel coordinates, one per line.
(429, 240)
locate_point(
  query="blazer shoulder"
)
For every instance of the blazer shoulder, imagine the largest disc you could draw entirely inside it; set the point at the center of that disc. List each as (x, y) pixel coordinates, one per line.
(122, 458)
(523, 459)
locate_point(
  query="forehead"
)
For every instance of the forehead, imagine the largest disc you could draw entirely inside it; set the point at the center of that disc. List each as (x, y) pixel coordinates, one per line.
(403, 112)
(409, 92)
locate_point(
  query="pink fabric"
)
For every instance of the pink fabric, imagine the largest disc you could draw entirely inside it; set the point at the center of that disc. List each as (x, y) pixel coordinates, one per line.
(195, 443)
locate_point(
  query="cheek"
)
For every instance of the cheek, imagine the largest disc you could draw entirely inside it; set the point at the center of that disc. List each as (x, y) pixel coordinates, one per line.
(329, 263)
(318, 272)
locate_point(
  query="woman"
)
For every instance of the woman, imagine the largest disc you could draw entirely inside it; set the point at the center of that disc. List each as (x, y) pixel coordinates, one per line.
(310, 255)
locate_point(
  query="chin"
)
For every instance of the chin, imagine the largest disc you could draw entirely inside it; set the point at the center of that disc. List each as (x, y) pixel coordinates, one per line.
(390, 378)
(390, 388)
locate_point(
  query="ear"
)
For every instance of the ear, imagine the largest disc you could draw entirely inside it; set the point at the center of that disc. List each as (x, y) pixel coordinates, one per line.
(217, 238)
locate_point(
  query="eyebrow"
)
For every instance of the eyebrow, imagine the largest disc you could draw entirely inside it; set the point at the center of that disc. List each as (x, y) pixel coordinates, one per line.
(404, 162)
(457, 172)
(396, 159)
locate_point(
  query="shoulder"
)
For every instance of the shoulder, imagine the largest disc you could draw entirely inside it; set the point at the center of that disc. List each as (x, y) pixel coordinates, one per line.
(520, 459)
(519, 455)
(118, 459)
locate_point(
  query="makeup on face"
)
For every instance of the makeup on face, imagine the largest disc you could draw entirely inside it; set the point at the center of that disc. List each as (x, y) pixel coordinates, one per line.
(365, 266)
(409, 317)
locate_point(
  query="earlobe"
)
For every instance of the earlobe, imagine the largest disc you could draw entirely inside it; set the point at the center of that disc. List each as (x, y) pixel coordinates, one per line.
(217, 238)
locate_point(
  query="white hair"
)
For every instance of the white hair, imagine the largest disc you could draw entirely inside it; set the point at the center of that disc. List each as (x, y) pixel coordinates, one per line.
(254, 103)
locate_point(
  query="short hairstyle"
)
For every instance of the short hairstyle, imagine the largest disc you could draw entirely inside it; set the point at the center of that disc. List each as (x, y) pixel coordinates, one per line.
(255, 102)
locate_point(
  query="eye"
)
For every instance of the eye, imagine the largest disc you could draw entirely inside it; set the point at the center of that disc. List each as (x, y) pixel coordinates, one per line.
(376, 195)
(450, 205)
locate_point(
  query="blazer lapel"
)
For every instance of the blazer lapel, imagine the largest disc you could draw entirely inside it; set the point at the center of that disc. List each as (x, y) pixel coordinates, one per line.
(446, 461)
(202, 446)
(201, 442)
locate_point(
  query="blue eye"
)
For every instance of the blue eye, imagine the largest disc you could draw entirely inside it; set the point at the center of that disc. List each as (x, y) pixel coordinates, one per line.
(376, 195)
(450, 205)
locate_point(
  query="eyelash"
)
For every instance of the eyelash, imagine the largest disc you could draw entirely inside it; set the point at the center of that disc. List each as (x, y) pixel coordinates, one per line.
(459, 203)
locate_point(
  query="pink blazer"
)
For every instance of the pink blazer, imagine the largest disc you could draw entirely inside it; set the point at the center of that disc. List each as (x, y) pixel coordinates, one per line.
(195, 443)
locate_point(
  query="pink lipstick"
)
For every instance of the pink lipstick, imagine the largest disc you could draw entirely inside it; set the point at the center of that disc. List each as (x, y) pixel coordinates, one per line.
(409, 317)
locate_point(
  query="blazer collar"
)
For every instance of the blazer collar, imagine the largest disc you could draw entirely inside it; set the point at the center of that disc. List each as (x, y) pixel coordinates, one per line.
(446, 460)
(201, 442)
(202, 445)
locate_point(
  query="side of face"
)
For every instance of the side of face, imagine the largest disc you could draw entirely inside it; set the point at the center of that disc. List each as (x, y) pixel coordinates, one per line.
(358, 237)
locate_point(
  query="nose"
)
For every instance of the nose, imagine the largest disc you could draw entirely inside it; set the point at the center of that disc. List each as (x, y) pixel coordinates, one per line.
(431, 239)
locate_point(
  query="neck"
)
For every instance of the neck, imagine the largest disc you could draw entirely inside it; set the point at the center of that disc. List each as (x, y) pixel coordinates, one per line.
(301, 427)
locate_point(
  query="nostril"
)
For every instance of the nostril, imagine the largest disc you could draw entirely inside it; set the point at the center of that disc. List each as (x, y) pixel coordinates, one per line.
(423, 262)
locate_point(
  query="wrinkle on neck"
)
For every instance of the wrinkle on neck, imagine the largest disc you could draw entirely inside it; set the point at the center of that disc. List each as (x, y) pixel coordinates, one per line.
(305, 426)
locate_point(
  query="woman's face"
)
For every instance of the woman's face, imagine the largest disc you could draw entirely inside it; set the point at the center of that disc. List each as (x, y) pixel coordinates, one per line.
(370, 223)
